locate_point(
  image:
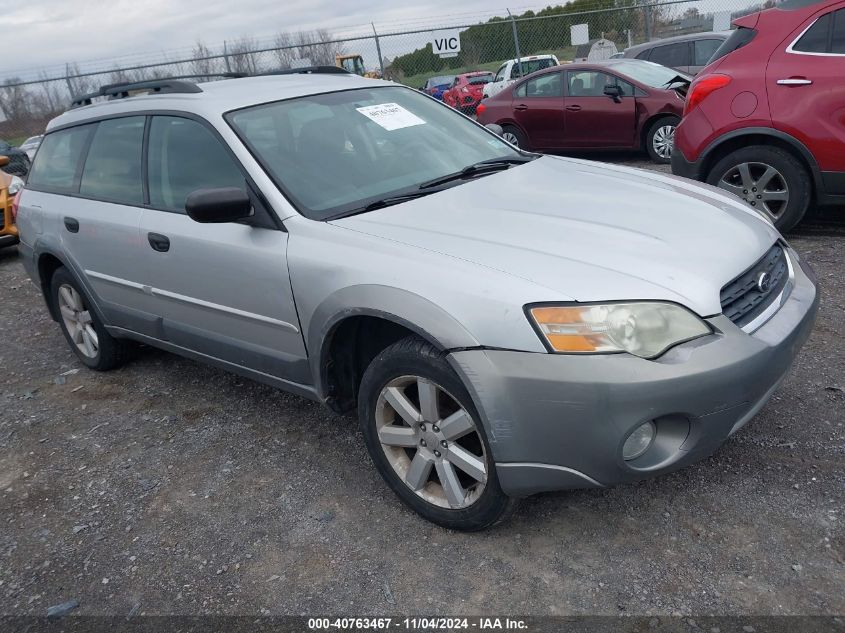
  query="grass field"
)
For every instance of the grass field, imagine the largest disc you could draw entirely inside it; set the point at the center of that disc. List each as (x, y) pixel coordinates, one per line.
(415, 81)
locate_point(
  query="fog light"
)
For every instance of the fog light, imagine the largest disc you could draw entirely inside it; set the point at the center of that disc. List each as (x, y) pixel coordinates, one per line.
(639, 441)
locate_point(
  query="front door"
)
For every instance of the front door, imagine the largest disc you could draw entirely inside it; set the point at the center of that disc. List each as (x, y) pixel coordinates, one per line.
(222, 290)
(805, 79)
(595, 120)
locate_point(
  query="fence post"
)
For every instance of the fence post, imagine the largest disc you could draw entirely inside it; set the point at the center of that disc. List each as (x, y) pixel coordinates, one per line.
(378, 50)
(516, 43)
(67, 81)
(226, 57)
(647, 20)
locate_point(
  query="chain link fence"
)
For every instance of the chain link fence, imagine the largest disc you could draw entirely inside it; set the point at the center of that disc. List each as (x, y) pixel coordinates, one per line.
(28, 100)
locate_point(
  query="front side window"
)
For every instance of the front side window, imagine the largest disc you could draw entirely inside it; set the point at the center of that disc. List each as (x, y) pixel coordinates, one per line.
(185, 156)
(500, 74)
(589, 83)
(337, 152)
(671, 55)
(548, 85)
(113, 167)
(837, 44)
(59, 159)
(816, 38)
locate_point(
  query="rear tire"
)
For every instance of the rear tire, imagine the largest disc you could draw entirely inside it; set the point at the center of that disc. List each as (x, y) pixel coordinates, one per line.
(85, 333)
(439, 463)
(769, 177)
(515, 136)
(660, 139)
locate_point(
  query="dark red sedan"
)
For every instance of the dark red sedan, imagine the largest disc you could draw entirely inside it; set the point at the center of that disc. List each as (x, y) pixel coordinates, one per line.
(467, 91)
(615, 104)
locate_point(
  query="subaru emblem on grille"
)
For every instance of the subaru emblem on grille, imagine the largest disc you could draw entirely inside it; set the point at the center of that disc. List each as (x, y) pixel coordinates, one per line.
(764, 282)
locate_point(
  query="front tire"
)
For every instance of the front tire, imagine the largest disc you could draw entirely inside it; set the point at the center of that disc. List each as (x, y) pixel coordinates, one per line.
(515, 136)
(769, 179)
(85, 333)
(426, 439)
(661, 138)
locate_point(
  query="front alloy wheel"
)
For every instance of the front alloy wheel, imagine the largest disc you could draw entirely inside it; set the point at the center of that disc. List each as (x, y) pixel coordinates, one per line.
(425, 437)
(431, 442)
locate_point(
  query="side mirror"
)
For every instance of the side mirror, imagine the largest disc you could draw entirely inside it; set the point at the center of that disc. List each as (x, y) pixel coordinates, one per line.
(4, 160)
(495, 128)
(614, 92)
(226, 204)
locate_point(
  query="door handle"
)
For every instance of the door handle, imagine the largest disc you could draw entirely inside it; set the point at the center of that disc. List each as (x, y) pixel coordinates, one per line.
(520, 107)
(159, 242)
(72, 225)
(795, 81)
(573, 108)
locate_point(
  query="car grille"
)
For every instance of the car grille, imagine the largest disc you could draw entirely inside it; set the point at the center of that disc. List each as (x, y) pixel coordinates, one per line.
(743, 299)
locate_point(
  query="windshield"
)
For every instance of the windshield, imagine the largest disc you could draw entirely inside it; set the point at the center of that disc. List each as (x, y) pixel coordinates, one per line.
(531, 66)
(648, 73)
(481, 79)
(335, 152)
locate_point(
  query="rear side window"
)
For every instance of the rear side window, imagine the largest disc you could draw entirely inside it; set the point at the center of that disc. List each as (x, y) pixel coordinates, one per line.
(816, 38)
(548, 85)
(185, 156)
(59, 160)
(671, 55)
(703, 50)
(113, 167)
(644, 54)
(739, 38)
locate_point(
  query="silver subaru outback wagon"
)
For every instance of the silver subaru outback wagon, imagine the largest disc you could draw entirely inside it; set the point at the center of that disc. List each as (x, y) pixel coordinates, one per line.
(503, 323)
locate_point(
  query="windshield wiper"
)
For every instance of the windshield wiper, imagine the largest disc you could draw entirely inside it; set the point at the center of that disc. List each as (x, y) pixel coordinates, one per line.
(383, 202)
(490, 165)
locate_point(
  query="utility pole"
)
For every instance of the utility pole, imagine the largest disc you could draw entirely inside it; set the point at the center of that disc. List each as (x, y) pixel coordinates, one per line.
(378, 50)
(516, 43)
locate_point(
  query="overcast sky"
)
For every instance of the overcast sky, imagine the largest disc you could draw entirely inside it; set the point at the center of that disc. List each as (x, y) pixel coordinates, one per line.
(53, 32)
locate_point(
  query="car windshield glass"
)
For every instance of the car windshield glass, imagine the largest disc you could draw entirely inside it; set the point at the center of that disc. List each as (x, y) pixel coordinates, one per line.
(335, 152)
(647, 73)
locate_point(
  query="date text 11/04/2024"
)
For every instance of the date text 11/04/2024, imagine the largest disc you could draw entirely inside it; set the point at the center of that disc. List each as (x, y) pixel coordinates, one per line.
(417, 624)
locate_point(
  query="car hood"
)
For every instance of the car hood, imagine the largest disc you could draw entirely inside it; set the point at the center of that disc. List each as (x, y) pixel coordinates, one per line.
(587, 231)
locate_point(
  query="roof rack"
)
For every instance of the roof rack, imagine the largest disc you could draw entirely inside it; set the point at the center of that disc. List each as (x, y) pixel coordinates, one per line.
(178, 84)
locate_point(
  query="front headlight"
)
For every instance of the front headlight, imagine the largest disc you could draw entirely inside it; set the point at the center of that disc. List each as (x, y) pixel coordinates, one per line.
(15, 186)
(645, 329)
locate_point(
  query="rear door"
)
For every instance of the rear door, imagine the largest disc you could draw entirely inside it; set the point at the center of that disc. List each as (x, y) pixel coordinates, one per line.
(805, 80)
(99, 166)
(538, 109)
(595, 120)
(222, 290)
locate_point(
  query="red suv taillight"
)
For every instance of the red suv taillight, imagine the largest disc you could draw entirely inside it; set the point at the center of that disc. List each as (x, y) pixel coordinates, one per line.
(480, 108)
(702, 88)
(16, 203)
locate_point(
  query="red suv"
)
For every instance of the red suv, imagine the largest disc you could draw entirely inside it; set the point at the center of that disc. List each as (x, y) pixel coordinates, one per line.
(766, 118)
(467, 91)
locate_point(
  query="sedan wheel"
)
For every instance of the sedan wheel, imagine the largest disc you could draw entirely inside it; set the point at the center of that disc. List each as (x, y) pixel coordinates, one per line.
(663, 140)
(431, 442)
(760, 185)
(511, 138)
(77, 320)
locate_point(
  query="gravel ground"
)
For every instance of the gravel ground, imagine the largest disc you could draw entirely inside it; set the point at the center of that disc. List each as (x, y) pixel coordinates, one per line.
(170, 487)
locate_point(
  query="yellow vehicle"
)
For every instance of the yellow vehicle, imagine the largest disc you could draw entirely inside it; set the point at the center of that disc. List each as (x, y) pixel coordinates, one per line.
(355, 64)
(9, 187)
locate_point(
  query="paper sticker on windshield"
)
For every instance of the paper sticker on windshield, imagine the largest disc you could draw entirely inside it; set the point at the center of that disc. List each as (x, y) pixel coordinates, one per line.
(391, 116)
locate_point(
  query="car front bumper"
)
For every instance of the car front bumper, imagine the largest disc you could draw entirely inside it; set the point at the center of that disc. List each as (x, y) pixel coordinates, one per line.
(559, 421)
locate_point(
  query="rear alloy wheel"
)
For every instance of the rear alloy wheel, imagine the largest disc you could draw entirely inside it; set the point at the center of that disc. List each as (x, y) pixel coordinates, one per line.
(423, 435)
(515, 136)
(86, 335)
(661, 138)
(767, 178)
